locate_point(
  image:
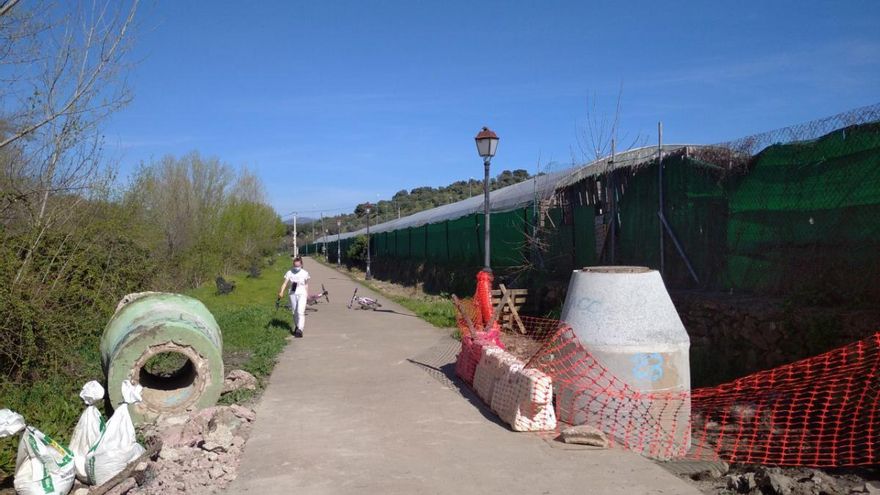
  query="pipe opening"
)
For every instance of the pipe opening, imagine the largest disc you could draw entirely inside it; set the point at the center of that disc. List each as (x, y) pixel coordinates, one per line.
(169, 379)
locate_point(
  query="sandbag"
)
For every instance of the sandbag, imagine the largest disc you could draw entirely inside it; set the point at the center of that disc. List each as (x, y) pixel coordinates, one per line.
(10, 423)
(494, 362)
(118, 445)
(88, 430)
(523, 398)
(42, 466)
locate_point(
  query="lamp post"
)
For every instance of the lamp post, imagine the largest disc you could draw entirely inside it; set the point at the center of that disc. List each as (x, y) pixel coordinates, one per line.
(338, 243)
(487, 143)
(368, 276)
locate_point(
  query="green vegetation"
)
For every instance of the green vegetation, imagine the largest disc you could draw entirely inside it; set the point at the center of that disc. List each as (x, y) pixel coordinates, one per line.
(357, 251)
(253, 336)
(438, 312)
(74, 238)
(254, 333)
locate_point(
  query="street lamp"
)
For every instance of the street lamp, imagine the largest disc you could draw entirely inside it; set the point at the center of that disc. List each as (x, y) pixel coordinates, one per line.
(338, 243)
(368, 276)
(487, 143)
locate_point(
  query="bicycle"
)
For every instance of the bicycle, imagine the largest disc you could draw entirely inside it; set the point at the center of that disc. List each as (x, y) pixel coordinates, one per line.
(363, 302)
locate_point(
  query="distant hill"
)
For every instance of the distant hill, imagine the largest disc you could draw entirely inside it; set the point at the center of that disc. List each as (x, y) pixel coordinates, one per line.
(406, 202)
(301, 221)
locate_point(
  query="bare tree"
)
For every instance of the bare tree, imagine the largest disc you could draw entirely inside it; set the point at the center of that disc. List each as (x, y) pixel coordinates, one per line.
(65, 68)
(596, 135)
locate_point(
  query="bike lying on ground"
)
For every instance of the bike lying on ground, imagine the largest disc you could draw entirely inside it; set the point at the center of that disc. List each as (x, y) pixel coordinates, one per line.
(363, 301)
(316, 298)
(311, 300)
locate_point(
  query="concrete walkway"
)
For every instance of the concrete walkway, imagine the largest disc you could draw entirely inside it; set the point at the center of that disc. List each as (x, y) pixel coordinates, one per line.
(347, 412)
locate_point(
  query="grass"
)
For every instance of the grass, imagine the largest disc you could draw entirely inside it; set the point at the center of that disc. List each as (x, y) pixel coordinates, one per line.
(254, 333)
(253, 336)
(438, 313)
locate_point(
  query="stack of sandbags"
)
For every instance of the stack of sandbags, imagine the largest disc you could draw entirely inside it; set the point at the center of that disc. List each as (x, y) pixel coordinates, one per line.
(523, 398)
(494, 362)
(89, 429)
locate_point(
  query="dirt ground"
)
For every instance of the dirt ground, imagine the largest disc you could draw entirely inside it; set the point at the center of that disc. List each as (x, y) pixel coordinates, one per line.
(759, 480)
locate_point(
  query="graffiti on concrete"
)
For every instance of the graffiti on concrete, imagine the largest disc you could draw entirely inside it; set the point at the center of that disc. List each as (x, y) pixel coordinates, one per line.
(647, 366)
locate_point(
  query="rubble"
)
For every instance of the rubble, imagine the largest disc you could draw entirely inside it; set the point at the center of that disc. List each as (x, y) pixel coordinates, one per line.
(771, 481)
(760, 480)
(199, 454)
(239, 380)
(585, 435)
(741, 483)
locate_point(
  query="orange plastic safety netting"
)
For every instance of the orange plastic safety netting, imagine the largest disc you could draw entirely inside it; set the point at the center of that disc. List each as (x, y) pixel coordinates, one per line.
(822, 411)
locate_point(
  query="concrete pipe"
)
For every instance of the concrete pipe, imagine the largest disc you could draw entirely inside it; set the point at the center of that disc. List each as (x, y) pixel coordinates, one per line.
(624, 317)
(149, 327)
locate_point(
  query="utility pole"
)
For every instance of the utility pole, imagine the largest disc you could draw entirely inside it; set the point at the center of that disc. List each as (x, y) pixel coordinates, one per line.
(324, 234)
(368, 275)
(295, 246)
(660, 185)
(612, 198)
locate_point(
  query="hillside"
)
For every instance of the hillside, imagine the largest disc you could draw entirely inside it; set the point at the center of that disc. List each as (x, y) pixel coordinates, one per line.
(406, 202)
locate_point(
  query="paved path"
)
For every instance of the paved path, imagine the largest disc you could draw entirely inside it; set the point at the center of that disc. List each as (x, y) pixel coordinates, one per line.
(347, 412)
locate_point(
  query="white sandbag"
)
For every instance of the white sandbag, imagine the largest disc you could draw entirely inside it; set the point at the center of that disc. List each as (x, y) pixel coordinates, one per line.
(494, 362)
(118, 445)
(88, 430)
(523, 398)
(10, 423)
(42, 466)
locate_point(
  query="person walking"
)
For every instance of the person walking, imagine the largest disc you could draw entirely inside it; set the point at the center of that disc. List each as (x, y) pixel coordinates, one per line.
(298, 279)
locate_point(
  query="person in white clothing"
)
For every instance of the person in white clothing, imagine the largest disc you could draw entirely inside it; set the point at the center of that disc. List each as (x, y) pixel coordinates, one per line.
(298, 279)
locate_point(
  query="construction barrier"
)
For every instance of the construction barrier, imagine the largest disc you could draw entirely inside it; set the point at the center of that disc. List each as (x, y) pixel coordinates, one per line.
(818, 412)
(523, 398)
(494, 362)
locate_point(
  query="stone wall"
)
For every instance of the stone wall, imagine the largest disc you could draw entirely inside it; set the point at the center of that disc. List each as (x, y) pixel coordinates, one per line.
(732, 336)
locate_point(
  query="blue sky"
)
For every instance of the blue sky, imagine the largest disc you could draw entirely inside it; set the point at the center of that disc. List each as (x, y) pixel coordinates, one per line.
(333, 103)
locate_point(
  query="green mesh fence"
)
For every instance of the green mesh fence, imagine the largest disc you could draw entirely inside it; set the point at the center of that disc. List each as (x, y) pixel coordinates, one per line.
(584, 235)
(437, 243)
(508, 236)
(807, 217)
(796, 217)
(695, 209)
(416, 242)
(464, 240)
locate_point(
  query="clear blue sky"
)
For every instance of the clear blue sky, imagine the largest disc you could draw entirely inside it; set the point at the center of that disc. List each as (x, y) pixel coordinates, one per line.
(333, 103)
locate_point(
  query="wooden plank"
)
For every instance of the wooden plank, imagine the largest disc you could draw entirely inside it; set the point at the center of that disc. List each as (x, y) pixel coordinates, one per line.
(515, 315)
(497, 312)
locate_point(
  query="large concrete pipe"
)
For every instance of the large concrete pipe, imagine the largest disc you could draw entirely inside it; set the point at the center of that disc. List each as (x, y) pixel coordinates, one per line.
(150, 324)
(625, 318)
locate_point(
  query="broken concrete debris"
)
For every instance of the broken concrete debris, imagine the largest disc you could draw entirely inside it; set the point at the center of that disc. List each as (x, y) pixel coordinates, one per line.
(199, 454)
(239, 380)
(585, 435)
